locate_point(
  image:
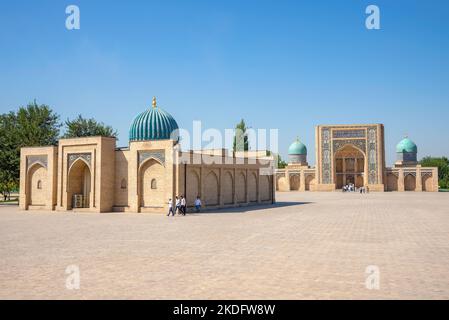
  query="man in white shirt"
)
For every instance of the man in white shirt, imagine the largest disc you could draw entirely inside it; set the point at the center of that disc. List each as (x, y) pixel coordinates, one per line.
(178, 205)
(183, 205)
(170, 208)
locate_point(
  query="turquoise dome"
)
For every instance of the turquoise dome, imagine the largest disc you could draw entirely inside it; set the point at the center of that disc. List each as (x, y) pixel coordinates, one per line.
(153, 124)
(297, 147)
(406, 146)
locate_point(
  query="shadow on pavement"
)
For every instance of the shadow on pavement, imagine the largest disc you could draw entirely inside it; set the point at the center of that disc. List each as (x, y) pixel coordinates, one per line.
(9, 204)
(250, 208)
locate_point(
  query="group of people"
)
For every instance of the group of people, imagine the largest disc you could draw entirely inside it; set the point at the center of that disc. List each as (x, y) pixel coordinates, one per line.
(180, 206)
(352, 188)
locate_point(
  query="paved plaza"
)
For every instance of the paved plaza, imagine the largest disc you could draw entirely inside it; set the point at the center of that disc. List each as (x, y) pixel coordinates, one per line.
(307, 246)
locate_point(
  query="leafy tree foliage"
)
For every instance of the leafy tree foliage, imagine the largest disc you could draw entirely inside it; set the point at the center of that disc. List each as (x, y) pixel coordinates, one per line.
(33, 125)
(241, 137)
(281, 163)
(37, 125)
(81, 127)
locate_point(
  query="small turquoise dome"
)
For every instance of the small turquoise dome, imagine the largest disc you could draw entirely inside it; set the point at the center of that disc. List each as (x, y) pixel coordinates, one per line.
(406, 146)
(153, 124)
(297, 147)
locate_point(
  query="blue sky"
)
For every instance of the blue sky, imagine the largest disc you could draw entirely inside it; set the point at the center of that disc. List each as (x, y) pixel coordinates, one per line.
(278, 64)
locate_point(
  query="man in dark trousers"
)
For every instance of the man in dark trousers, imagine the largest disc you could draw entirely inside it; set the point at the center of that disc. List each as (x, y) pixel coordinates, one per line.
(183, 205)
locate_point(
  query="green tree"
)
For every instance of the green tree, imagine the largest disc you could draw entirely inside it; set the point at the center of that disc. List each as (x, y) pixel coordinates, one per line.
(281, 163)
(33, 125)
(81, 127)
(7, 185)
(443, 169)
(37, 125)
(241, 137)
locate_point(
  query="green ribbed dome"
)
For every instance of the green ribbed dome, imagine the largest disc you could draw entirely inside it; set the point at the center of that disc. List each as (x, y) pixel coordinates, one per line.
(153, 124)
(297, 147)
(406, 146)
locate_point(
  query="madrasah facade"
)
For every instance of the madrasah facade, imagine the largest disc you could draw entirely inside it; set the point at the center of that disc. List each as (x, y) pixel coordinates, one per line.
(355, 154)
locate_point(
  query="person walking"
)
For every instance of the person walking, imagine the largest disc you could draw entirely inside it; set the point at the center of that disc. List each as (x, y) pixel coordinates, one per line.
(170, 208)
(197, 204)
(177, 205)
(183, 205)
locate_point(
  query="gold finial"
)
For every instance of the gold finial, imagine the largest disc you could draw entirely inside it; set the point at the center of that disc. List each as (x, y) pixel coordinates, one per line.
(154, 102)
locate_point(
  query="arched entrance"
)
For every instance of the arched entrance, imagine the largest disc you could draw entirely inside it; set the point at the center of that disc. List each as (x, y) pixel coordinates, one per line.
(252, 187)
(294, 182)
(228, 192)
(193, 187)
(427, 183)
(240, 188)
(349, 166)
(37, 185)
(151, 184)
(212, 189)
(392, 182)
(310, 181)
(410, 182)
(265, 188)
(79, 185)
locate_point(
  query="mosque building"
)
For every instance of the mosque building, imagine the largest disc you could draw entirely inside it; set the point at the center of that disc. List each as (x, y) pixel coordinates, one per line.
(91, 174)
(354, 154)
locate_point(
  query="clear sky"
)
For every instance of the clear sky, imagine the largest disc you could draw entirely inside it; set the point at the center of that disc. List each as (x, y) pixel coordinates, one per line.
(278, 64)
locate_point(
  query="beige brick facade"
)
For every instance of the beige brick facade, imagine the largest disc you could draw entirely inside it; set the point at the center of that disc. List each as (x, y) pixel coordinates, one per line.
(92, 175)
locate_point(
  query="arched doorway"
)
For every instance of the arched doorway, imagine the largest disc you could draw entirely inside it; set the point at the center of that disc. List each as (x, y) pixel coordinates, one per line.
(409, 182)
(37, 185)
(349, 166)
(79, 185)
(151, 184)
(392, 182)
(211, 189)
(281, 183)
(228, 192)
(240, 188)
(265, 188)
(193, 187)
(252, 187)
(294, 182)
(310, 181)
(427, 183)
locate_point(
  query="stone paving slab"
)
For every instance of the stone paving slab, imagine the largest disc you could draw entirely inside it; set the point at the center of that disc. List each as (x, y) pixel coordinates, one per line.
(308, 246)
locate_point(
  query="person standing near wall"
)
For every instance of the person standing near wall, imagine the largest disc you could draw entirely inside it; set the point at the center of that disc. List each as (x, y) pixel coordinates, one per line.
(197, 204)
(177, 205)
(170, 208)
(183, 205)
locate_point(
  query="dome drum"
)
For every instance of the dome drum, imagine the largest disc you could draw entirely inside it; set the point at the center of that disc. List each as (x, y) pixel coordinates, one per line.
(406, 156)
(297, 158)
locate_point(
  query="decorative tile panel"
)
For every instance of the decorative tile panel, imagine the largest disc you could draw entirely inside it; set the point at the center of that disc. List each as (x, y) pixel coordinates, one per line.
(349, 134)
(156, 154)
(372, 155)
(338, 144)
(42, 159)
(326, 156)
(426, 173)
(72, 157)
